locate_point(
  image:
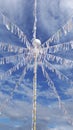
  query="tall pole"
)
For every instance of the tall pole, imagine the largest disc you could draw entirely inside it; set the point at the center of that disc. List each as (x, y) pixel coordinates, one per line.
(36, 47)
(34, 93)
(35, 20)
(35, 68)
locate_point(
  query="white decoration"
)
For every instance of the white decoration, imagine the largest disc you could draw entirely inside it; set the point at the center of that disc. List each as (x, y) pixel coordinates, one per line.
(61, 47)
(59, 60)
(15, 29)
(62, 31)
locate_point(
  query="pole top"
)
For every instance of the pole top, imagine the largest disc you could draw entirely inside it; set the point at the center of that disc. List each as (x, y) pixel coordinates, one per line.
(36, 43)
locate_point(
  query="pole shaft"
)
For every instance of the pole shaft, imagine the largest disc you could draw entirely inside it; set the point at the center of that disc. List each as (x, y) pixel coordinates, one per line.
(35, 19)
(34, 93)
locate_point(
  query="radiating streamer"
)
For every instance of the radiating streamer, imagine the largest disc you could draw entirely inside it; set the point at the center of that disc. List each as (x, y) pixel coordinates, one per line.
(59, 60)
(11, 48)
(5, 103)
(14, 68)
(51, 84)
(12, 59)
(60, 75)
(10, 71)
(61, 47)
(67, 117)
(15, 30)
(61, 104)
(63, 31)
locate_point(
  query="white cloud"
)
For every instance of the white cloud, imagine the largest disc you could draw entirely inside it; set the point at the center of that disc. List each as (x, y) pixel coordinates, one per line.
(67, 4)
(62, 128)
(69, 92)
(49, 115)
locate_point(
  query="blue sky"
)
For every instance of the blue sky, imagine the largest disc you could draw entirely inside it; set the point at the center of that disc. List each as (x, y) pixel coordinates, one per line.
(17, 114)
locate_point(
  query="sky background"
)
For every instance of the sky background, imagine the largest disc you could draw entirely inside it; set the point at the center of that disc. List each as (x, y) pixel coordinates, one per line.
(17, 114)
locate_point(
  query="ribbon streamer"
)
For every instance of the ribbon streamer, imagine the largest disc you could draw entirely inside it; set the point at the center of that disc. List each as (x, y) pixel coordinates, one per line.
(15, 29)
(61, 32)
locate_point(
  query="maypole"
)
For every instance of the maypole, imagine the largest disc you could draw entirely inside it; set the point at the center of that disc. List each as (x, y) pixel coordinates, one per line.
(36, 49)
(36, 45)
(35, 19)
(35, 68)
(34, 93)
